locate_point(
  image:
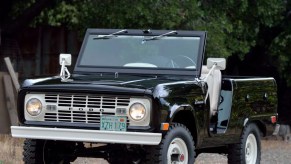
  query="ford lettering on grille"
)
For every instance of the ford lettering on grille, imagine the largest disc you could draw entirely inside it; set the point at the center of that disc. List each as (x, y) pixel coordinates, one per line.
(79, 108)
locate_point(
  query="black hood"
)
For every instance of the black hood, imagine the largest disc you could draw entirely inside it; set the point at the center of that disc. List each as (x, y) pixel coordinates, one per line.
(105, 83)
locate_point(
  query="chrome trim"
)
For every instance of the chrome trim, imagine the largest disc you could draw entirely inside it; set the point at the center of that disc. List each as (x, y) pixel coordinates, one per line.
(86, 108)
(253, 79)
(76, 108)
(83, 135)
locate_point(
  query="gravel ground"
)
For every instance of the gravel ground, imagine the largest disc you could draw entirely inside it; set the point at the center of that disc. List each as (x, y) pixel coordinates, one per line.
(273, 152)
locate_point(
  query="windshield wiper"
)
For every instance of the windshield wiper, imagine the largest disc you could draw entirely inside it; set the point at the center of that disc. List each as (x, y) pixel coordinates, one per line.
(110, 35)
(159, 36)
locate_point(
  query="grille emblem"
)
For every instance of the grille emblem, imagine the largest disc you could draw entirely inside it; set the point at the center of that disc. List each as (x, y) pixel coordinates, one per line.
(51, 108)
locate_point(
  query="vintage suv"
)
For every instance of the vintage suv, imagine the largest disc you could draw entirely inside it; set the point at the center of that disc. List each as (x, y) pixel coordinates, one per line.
(143, 96)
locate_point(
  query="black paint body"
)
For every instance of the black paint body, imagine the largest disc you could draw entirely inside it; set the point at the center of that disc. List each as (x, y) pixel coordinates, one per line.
(170, 96)
(176, 96)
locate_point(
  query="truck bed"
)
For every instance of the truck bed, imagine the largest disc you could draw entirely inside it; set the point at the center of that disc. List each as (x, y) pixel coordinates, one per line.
(244, 99)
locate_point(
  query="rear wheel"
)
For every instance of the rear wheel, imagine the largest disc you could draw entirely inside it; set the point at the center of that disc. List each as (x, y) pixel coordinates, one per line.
(248, 151)
(177, 146)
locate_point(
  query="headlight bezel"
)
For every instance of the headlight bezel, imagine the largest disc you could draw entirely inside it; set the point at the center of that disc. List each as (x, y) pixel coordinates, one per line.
(41, 98)
(147, 104)
(130, 112)
(34, 105)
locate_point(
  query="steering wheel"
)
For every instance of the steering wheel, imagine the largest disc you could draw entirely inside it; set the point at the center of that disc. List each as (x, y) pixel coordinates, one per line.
(189, 64)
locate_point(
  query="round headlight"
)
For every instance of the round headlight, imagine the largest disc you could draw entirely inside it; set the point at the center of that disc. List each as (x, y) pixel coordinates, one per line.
(137, 111)
(33, 106)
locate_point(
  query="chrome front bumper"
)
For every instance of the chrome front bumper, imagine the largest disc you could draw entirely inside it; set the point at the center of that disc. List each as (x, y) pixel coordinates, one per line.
(86, 135)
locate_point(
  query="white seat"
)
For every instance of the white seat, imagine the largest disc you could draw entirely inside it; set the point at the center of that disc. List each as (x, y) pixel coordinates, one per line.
(214, 86)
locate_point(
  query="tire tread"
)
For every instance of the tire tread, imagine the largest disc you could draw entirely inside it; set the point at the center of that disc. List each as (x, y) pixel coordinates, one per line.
(235, 151)
(154, 153)
(29, 151)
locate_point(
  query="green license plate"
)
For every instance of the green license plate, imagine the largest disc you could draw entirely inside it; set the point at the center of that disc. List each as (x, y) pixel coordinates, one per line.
(113, 123)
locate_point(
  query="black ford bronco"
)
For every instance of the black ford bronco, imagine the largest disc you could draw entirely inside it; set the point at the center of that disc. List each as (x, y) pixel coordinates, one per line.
(144, 96)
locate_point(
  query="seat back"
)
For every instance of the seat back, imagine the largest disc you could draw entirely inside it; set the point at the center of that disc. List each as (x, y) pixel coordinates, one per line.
(214, 86)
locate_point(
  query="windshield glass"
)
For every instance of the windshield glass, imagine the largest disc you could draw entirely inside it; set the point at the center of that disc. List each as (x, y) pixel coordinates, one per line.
(168, 52)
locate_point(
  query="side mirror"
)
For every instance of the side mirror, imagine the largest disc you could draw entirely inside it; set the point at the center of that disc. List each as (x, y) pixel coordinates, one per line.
(219, 62)
(65, 59)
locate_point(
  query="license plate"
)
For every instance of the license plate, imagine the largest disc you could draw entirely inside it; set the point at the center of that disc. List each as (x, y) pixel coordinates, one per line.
(113, 123)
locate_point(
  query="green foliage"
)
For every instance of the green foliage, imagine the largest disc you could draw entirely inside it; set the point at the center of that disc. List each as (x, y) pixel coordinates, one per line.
(63, 14)
(233, 26)
(280, 50)
(19, 7)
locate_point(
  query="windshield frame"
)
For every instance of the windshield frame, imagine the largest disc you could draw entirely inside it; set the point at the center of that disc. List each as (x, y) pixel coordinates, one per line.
(82, 69)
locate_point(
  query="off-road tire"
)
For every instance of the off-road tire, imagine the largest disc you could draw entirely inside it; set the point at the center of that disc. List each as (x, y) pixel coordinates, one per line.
(159, 153)
(33, 151)
(39, 151)
(237, 152)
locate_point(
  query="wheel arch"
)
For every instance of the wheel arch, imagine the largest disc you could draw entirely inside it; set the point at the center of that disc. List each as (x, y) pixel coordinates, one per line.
(185, 115)
(261, 126)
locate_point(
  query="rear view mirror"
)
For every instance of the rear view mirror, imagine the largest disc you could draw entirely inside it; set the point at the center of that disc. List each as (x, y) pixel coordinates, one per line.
(65, 59)
(219, 62)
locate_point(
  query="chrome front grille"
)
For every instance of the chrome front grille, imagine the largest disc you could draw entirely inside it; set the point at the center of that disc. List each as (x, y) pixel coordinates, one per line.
(81, 108)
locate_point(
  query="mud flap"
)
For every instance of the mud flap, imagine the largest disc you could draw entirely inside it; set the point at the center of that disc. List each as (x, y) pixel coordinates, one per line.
(276, 131)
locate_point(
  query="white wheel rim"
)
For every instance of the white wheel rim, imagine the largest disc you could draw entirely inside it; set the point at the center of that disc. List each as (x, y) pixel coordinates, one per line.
(251, 149)
(177, 146)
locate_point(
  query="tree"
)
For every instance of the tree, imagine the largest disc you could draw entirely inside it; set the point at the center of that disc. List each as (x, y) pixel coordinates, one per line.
(234, 27)
(255, 35)
(12, 22)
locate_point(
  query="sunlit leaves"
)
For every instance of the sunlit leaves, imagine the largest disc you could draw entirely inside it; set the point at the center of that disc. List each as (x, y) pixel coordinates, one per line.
(63, 14)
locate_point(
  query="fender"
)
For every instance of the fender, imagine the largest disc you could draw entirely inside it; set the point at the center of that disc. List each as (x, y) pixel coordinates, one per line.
(175, 109)
(188, 118)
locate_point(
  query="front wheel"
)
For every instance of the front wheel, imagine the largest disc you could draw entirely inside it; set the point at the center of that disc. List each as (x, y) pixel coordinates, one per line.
(48, 152)
(177, 146)
(248, 151)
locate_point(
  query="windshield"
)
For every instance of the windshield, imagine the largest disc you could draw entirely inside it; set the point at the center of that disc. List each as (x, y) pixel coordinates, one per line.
(168, 52)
